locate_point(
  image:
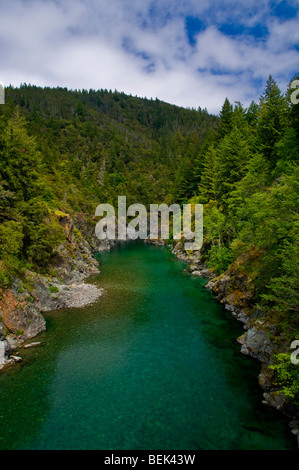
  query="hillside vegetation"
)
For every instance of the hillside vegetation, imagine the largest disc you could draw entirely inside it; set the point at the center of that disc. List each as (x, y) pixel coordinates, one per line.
(67, 151)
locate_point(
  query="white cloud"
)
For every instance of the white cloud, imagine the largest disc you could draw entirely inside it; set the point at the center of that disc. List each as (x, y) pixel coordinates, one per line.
(112, 44)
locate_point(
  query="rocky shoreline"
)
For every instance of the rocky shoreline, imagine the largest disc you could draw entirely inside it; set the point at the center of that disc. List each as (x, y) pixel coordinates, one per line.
(234, 290)
(22, 305)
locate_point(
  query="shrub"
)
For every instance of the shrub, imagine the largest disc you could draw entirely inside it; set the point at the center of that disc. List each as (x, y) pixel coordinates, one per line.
(286, 376)
(53, 289)
(4, 280)
(220, 258)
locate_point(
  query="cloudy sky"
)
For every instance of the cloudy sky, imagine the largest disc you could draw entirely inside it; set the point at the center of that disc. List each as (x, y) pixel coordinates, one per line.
(187, 52)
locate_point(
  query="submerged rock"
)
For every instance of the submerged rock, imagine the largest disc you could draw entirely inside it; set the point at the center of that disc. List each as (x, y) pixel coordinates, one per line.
(32, 345)
(197, 273)
(13, 342)
(16, 358)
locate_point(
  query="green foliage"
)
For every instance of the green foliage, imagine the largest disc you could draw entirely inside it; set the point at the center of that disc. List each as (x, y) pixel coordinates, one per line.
(220, 257)
(210, 178)
(271, 224)
(43, 239)
(214, 223)
(53, 289)
(234, 155)
(253, 168)
(286, 376)
(19, 159)
(226, 117)
(255, 179)
(4, 279)
(78, 234)
(11, 243)
(283, 288)
(272, 119)
(252, 114)
(11, 239)
(64, 152)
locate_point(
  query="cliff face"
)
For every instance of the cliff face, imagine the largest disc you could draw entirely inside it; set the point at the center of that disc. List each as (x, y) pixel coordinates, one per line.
(21, 305)
(19, 314)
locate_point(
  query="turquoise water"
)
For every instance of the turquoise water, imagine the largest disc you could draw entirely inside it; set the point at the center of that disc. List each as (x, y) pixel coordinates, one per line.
(152, 365)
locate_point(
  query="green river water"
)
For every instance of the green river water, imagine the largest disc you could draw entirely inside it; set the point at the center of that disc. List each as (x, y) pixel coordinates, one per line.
(152, 365)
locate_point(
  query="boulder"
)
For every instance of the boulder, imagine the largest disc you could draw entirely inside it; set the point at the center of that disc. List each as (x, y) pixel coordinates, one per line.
(16, 358)
(32, 345)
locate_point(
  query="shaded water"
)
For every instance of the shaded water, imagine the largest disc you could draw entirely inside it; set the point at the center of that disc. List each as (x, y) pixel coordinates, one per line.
(153, 365)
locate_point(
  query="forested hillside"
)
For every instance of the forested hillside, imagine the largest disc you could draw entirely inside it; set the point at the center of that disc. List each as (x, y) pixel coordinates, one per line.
(67, 151)
(247, 176)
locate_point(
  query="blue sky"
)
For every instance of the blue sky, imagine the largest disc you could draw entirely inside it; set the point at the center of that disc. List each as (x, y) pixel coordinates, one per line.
(189, 52)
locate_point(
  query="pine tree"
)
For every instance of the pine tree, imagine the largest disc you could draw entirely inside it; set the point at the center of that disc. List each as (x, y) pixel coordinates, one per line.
(211, 139)
(234, 155)
(182, 189)
(252, 114)
(226, 116)
(272, 120)
(209, 185)
(19, 159)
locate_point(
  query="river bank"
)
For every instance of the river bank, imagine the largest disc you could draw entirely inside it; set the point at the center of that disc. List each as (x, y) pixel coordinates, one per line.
(234, 290)
(22, 304)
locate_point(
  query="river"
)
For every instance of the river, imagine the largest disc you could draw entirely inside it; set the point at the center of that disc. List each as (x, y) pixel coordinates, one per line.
(152, 365)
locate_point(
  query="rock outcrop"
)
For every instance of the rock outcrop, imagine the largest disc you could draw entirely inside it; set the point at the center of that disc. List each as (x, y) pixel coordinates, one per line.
(21, 305)
(20, 316)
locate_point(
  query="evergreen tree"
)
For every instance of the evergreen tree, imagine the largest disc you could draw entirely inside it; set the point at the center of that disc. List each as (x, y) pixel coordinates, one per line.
(226, 116)
(209, 185)
(272, 120)
(252, 114)
(211, 139)
(20, 161)
(234, 155)
(182, 188)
